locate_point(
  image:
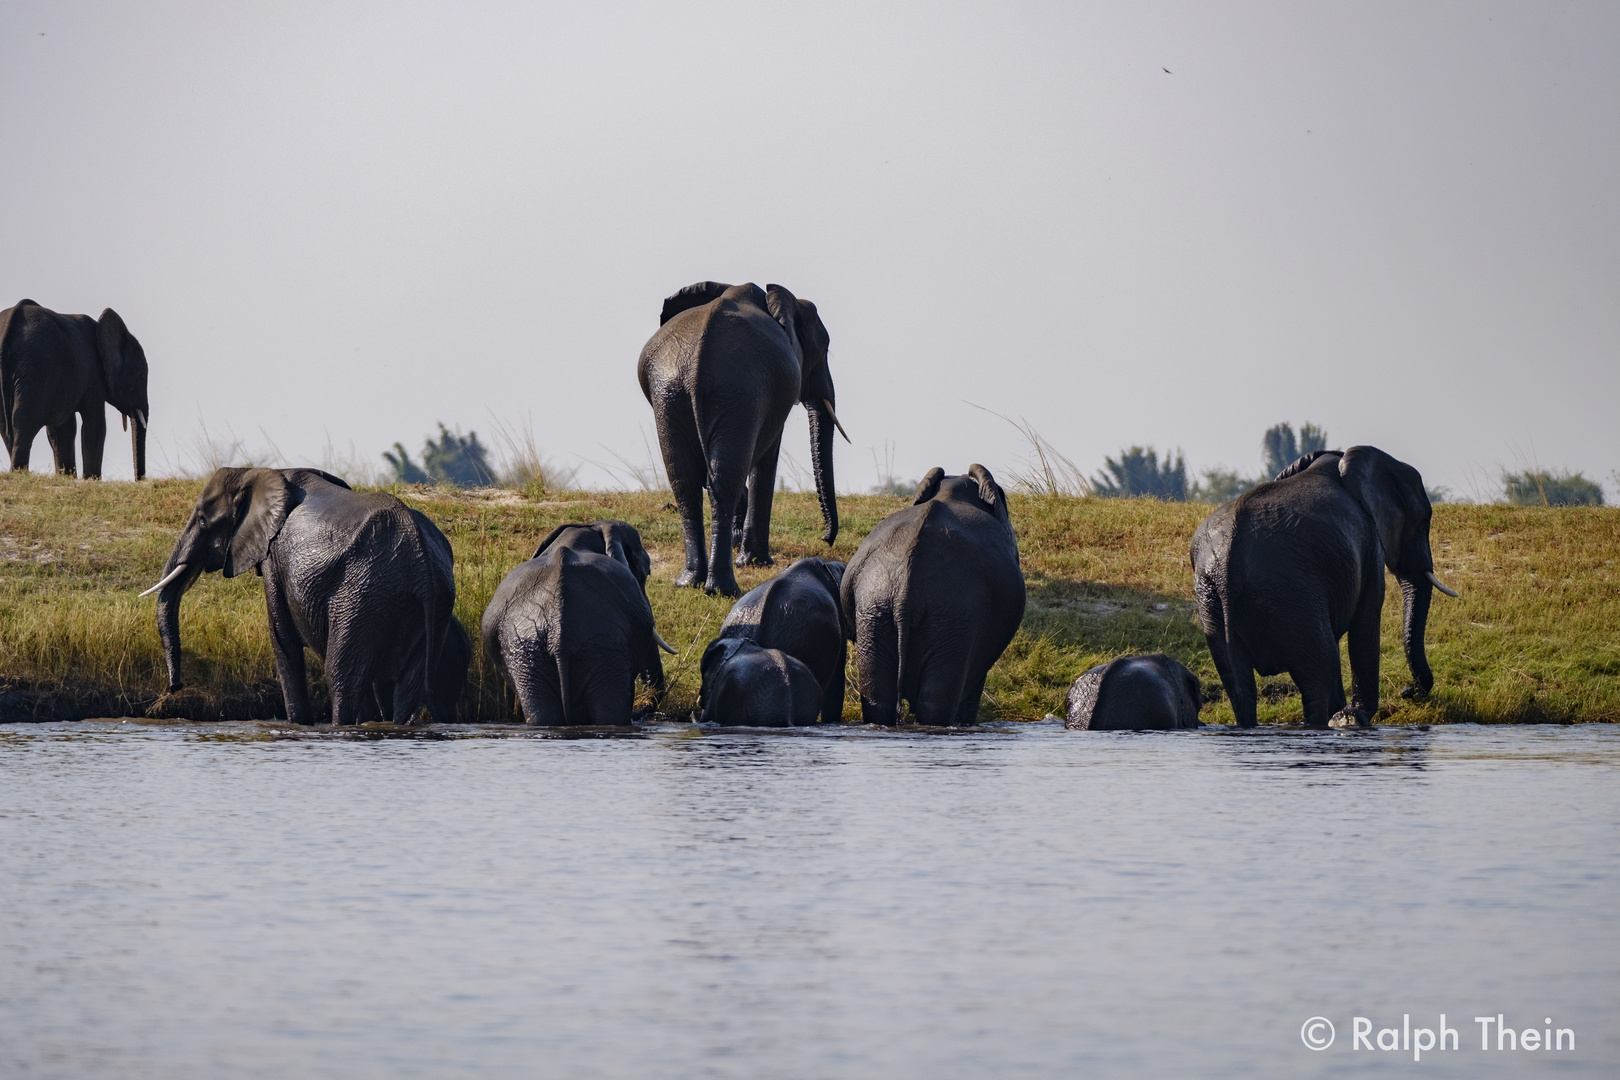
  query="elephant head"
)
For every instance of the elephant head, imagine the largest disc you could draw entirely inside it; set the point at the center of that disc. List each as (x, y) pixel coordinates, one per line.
(123, 367)
(1392, 494)
(976, 486)
(238, 514)
(615, 539)
(816, 392)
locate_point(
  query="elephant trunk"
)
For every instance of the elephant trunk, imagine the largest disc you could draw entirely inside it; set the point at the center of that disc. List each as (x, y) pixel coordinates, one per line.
(168, 608)
(821, 451)
(1416, 593)
(137, 442)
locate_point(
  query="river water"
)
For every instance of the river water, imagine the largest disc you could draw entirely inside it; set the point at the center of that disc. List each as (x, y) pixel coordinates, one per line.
(242, 900)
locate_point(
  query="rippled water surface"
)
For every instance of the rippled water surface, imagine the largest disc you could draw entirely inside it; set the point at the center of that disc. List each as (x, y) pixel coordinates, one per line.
(239, 900)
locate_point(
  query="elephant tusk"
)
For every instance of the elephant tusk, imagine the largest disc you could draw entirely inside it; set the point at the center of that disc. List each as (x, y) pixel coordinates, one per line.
(170, 576)
(124, 420)
(662, 644)
(142, 418)
(1437, 583)
(834, 416)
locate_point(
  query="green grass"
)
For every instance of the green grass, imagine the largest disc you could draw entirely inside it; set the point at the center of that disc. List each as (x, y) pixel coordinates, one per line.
(1534, 637)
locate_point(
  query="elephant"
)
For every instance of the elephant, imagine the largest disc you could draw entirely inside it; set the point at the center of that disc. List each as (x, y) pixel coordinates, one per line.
(570, 630)
(932, 598)
(1134, 693)
(722, 373)
(618, 539)
(746, 683)
(448, 682)
(53, 366)
(361, 579)
(799, 612)
(1284, 571)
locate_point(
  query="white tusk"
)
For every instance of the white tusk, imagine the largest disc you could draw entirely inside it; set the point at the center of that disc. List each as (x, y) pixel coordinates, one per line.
(170, 576)
(141, 417)
(123, 419)
(834, 415)
(662, 644)
(1437, 583)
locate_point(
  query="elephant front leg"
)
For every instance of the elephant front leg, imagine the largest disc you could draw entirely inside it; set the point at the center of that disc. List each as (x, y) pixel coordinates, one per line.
(92, 440)
(61, 438)
(756, 545)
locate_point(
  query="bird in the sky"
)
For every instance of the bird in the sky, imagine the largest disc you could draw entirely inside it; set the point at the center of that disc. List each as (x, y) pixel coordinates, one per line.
(1167, 71)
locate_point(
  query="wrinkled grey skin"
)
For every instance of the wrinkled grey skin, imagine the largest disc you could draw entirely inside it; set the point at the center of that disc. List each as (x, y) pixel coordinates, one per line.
(1284, 571)
(570, 630)
(746, 684)
(55, 366)
(448, 682)
(932, 598)
(616, 539)
(799, 612)
(722, 373)
(1134, 693)
(360, 578)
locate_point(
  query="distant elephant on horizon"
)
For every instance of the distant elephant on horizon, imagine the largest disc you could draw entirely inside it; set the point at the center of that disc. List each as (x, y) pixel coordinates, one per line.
(362, 580)
(932, 598)
(798, 612)
(1134, 693)
(1284, 571)
(722, 372)
(55, 366)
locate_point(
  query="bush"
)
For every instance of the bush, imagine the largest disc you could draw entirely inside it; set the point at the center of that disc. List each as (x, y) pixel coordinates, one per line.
(1539, 487)
(1138, 473)
(455, 459)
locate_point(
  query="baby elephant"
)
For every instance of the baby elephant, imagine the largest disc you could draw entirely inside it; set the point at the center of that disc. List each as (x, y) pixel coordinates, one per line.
(797, 612)
(1134, 693)
(570, 630)
(746, 684)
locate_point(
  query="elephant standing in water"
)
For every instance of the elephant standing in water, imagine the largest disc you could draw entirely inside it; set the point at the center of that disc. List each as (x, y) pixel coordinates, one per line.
(722, 373)
(1134, 693)
(53, 366)
(795, 616)
(932, 598)
(360, 578)
(1284, 571)
(570, 629)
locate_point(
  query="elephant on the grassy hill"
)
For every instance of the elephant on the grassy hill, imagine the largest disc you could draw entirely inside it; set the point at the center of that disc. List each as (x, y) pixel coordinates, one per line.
(359, 578)
(617, 539)
(53, 367)
(1134, 693)
(1285, 570)
(798, 611)
(932, 598)
(722, 373)
(747, 684)
(571, 630)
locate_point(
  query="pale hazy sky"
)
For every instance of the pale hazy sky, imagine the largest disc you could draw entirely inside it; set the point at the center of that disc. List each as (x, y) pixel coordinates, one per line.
(344, 222)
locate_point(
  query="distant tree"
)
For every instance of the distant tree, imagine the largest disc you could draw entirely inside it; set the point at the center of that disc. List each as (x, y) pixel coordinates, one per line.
(1281, 449)
(1139, 473)
(456, 459)
(1539, 487)
(1222, 485)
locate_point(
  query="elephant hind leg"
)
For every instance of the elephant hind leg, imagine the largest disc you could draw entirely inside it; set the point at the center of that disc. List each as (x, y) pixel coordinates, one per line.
(93, 440)
(21, 446)
(756, 545)
(687, 472)
(350, 673)
(877, 661)
(1232, 661)
(539, 692)
(1319, 678)
(726, 486)
(61, 437)
(942, 696)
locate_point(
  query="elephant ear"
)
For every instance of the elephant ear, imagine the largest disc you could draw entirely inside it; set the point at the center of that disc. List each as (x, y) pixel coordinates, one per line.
(551, 538)
(262, 501)
(784, 307)
(1374, 479)
(833, 572)
(119, 353)
(624, 543)
(990, 492)
(929, 486)
(690, 297)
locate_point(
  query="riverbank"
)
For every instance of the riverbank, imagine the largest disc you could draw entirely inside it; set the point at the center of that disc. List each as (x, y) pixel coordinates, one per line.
(1534, 638)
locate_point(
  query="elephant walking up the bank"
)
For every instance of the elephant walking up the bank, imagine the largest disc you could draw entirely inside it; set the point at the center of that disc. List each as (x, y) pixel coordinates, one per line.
(722, 373)
(932, 598)
(361, 579)
(53, 367)
(1284, 571)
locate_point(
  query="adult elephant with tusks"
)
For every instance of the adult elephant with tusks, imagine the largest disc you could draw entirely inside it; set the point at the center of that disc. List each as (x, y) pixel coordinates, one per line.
(1284, 571)
(932, 598)
(360, 578)
(55, 366)
(722, 373)
(570, 629)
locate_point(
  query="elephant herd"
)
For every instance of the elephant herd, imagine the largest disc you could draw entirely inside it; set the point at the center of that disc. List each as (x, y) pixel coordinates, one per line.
(930, 599)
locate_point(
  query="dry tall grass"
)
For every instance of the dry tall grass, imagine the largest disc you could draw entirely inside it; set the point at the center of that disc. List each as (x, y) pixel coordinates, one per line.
(1535, 637)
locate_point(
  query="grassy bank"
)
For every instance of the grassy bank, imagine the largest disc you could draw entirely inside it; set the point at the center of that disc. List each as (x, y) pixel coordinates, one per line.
(1535, 637)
